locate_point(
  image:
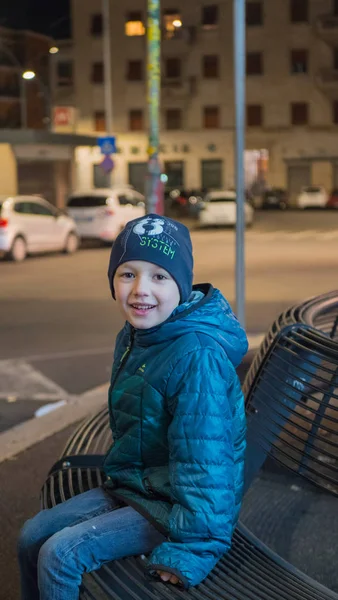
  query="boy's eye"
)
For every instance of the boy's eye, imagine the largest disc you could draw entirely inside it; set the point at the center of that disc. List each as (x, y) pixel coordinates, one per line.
(127, 275)
(160, 277)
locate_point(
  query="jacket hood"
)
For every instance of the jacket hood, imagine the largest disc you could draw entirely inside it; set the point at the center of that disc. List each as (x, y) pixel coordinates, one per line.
(211, 315)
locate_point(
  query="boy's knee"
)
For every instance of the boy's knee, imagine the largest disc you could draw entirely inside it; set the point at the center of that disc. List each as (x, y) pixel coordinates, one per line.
(54, 551)
(29, 535)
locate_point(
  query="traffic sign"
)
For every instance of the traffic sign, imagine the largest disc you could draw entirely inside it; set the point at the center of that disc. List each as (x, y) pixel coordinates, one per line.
(107, 164)
(107, 145)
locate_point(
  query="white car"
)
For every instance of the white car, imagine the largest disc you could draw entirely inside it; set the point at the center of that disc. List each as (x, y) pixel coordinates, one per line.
(312, 197)
(102, 213)
(219, 208)
(30, 224)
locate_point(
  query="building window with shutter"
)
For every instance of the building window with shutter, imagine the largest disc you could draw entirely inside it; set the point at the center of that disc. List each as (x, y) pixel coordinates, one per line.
(172, 24)
(173, 68)
(210, 16)
(136, 120)
(64, 73)
(299, 113)
(100, 120)
(299, 61)
(210, 66)
(299, 11)
(254, 115)
(134, 25)
(173, 118)
(97, 72)
(211, 117)
(96, 25)
(254, 63)
(135, 70)
(254, 14)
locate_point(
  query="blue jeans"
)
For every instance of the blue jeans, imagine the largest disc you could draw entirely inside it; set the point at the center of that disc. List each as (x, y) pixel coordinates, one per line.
(58, 545)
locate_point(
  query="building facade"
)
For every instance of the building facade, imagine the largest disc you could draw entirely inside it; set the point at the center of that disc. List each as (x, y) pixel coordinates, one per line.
(292, 92)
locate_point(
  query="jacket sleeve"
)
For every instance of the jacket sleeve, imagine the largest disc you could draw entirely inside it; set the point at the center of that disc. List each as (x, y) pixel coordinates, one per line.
(201, 465)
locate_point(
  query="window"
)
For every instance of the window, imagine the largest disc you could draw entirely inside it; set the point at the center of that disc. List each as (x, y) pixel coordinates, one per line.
(173, 67)
(299, 61)
(174, 170)
(210, 16)
(134, 24)
(335, 8)
(97, 72)
(24, 208)
(212, 174)
(299, 113)
(254, 63)
(254, 115)
(210, 66)
(100, 120)
(173, 118)
(335, 112)
(135, 70)
(136, 120)
(96, 27)
(41, 210)
(254, 14)
(211, 118)
(64, 73)
(89, 201)
(299, 11)
(172, 23)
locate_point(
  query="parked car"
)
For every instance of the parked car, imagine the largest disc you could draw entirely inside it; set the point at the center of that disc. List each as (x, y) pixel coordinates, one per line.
(102, 213)
(275, 198)
(182, 202)
(333, 200)
(312, 197)
(219, 208)
(30, 224)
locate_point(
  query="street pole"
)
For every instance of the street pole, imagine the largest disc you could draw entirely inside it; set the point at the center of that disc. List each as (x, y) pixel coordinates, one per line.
(23, 102)
(240, 74)
(154, 187)
(108, 84)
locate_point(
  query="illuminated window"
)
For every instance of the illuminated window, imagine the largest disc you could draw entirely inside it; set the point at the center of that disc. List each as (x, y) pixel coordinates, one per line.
(134, 24)
(172, 23)
(99, 120)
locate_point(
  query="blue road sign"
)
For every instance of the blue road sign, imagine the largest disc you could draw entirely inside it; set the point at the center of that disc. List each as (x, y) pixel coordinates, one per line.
(107, 145)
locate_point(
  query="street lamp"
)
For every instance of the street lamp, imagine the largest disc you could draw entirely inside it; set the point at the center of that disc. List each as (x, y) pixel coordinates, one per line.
(28, 75)
(53, 50)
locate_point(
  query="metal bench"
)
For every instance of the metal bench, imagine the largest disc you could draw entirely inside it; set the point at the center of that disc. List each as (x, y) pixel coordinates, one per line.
(292, 420)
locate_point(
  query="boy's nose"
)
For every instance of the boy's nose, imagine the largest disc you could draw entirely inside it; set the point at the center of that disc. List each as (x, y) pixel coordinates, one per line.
(140, 287)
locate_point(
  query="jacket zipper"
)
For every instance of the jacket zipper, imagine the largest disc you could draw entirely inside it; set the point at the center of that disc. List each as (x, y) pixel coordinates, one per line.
(123, 361)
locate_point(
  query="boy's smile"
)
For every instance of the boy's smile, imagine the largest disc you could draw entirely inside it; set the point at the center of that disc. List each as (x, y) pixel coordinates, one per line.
(146, 294)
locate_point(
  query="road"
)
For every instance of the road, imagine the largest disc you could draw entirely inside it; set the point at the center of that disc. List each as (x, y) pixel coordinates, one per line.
(56, 313)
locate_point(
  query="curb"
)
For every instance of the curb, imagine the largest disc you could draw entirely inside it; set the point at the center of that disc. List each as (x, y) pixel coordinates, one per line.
(23, 436)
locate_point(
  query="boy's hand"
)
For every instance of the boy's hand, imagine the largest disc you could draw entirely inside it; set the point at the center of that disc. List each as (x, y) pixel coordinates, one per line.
(168, 577)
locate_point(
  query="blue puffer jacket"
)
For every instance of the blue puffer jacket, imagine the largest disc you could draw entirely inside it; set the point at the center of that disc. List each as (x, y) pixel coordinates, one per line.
(177, 417)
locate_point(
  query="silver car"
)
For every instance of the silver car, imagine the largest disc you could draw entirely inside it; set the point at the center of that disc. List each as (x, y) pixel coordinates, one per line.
(30, 224)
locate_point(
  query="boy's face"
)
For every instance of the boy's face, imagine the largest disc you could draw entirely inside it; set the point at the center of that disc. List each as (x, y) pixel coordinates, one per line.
(145, 293)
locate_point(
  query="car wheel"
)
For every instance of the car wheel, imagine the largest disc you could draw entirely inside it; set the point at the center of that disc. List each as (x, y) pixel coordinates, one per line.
(72, 243)
(18, 251)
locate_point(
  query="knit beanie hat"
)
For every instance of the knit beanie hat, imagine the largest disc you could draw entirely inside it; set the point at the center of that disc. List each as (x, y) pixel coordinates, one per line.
(158, 240)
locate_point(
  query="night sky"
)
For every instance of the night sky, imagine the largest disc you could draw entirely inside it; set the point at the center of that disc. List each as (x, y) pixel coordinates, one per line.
(49, 17)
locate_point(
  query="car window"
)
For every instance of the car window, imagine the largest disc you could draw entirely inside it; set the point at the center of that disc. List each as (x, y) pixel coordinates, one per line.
(41, 210)
(312, 190)
(222, 199)
(126, 199)
(87, 201)
(24, 208)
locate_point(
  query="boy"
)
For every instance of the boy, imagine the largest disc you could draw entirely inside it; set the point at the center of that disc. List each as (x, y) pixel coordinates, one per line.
(177, 417)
